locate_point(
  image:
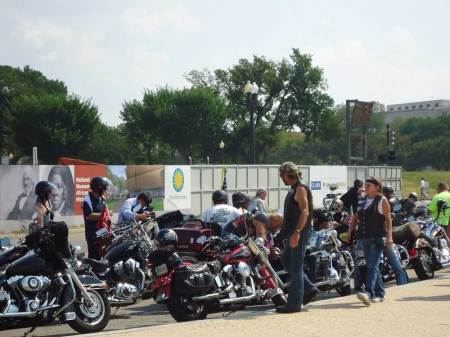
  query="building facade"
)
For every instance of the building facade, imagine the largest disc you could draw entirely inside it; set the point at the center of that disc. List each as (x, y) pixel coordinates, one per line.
(432, 108)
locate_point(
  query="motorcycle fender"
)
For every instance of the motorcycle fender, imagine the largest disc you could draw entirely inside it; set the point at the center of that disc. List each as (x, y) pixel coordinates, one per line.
(92, 282)
(162, 288)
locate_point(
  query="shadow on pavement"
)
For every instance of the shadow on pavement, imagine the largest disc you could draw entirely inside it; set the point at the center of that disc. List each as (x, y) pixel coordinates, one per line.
(426, 298)
(356, 305)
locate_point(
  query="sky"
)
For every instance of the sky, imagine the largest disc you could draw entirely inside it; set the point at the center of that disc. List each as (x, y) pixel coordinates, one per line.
(110, 51)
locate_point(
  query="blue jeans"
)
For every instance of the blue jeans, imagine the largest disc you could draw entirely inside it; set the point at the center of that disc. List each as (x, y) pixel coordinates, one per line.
(373, 249)
(394, 262)
(293, 261)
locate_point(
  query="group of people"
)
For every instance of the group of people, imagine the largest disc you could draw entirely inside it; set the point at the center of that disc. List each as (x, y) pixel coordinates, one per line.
(370, 221)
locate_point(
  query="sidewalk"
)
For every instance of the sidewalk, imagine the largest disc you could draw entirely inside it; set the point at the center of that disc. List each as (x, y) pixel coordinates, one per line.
(417, 309)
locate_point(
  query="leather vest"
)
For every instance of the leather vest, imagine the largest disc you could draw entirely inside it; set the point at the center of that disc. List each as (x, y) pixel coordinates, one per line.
(292, 210)
(371, 222)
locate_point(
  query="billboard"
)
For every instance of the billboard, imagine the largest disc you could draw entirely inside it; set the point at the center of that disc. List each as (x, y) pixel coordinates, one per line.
(177, 187)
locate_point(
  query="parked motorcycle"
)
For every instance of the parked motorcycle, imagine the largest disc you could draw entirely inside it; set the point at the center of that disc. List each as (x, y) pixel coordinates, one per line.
(41, 286)
(326, 264)
(242, 275)
(430, 252)
(124, 265)
(386, 271)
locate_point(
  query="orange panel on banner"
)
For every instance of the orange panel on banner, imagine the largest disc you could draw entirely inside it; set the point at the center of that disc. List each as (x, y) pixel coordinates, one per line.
(83, 176)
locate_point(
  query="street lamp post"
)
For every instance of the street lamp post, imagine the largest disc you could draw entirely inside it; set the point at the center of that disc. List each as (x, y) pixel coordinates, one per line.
(221, 147)
(251, 92)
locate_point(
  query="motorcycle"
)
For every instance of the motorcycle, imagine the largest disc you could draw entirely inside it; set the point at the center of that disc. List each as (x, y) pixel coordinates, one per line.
(386, 271)
(124, 265)
(326, 264)
(431, 251)
(242, 275)
(41, 286)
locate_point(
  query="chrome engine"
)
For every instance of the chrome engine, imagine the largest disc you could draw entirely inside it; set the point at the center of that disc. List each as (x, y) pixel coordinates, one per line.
(27, 294)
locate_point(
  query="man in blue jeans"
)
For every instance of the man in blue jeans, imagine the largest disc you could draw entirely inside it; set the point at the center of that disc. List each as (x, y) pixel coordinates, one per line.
(297, 223)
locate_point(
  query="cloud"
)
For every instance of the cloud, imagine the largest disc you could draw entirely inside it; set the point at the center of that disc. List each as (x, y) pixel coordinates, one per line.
(39, 33)
(159, 22)
(386, 70)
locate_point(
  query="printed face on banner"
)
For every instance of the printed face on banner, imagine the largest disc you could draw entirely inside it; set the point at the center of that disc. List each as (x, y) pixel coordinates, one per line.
(17, 198)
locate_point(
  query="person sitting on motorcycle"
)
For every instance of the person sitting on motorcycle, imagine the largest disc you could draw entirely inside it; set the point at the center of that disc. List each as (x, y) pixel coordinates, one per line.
(440, 215)
(410, 205)
(43, 214)
(136, 208)
(321, 221)
(240, 202)
(43, 217)
(221, 213)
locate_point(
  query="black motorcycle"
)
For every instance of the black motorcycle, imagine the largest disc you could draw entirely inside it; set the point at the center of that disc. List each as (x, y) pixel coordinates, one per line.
(41, 286)
(124, 265)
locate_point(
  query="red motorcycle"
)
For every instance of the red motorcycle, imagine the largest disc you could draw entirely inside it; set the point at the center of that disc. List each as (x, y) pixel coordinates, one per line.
(240, 276)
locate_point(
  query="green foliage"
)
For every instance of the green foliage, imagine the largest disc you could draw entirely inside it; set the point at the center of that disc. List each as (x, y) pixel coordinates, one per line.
(291, 97)
(58, 125)
(423, 142)
(192, 121)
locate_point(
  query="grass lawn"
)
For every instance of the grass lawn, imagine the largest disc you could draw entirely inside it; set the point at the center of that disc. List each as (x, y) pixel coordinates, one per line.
(411, 181)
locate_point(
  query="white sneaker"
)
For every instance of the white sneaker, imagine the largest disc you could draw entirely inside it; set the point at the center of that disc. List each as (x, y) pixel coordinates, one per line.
(363, 297)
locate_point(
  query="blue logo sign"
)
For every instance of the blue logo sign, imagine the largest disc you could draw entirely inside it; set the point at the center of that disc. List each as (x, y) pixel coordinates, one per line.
(316, 185)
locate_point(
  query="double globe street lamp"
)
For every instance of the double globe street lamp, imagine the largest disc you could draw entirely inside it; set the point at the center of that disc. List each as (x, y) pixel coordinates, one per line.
(251, 92)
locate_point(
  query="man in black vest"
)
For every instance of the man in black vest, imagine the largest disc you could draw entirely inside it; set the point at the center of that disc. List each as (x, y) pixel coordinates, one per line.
(297, 224)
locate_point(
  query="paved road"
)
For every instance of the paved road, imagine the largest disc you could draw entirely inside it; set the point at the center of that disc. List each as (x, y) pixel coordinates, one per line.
(148, 313)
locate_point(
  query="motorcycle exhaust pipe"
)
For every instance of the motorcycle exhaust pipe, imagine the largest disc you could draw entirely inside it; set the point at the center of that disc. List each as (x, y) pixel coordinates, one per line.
(27, 314)
(238, 299)
(213, 296)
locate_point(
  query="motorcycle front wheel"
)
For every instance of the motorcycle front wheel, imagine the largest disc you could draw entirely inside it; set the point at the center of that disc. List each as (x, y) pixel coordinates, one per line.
(183, 309)
(423, 264)
(91, 318)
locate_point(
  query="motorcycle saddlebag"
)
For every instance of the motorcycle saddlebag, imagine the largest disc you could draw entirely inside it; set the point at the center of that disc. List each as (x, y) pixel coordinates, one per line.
(192, 279)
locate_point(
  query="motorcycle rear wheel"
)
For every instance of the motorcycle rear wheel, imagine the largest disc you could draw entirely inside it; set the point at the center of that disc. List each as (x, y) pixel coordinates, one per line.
(422, 265)
(183, 309)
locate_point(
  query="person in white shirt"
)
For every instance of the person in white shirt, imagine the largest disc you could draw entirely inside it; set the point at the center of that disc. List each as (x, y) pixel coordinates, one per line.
(133, 208)
(221, 212)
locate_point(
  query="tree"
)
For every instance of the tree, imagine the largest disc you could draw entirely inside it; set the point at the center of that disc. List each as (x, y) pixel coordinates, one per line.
(190, 121)
(292, 97)
(58, 125)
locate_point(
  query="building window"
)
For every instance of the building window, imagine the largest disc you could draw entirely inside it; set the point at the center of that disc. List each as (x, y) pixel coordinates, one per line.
(413, 106)
(420, 106)
(436, 105)
(428, 105)
(406, 107)
(391, 109)
(399, 108)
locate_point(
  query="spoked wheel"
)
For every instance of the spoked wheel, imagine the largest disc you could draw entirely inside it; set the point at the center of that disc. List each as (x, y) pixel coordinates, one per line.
(183, 309)
(91, 318)
(423, 264)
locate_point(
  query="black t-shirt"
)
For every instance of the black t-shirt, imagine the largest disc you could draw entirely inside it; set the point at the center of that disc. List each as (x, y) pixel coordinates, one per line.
(91, 204)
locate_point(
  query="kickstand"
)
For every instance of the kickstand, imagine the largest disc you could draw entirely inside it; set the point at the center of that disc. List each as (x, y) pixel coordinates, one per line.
(30, 331)
(115, 311)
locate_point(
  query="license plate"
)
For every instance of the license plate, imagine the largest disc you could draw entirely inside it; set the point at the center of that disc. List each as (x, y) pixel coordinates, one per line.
(161, 269)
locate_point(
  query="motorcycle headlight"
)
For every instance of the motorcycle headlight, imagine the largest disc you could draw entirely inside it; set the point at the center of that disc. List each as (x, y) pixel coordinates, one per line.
(260, 242)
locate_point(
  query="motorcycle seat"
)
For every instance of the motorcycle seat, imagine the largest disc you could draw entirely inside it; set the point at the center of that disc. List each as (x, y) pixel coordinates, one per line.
(97, 265)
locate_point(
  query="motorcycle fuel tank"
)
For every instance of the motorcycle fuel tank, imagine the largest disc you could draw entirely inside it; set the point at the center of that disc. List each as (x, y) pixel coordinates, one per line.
(30, 264)
(123, 250)
(238, 254)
